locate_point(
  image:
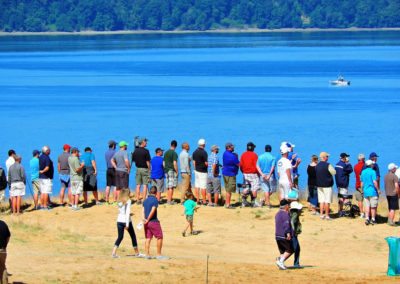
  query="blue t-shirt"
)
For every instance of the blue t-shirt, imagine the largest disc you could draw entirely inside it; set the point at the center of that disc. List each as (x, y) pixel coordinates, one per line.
(109, 154)
(368, 176)
(293, 162)
(230, 163)
(157, 168)
(148, 204)
(45, 161)
(266, 161)
(34, 166)
(87, 158)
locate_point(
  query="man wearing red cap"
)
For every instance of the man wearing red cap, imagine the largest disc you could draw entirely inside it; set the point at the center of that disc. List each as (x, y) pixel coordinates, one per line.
(63, 172)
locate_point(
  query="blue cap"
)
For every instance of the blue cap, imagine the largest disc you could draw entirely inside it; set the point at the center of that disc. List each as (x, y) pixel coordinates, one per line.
(373, 155)
(35, 152)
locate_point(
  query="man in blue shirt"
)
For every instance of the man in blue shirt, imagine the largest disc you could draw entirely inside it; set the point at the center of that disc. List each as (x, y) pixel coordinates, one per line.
(89, 175)
(34, 167)
(295, 161)
(157, 172)
(266, 168)
(369, 186)
(110, 175)
(230, 168)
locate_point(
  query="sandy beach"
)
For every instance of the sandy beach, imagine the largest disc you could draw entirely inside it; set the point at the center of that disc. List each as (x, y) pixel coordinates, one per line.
(235, 30)
(62, 246)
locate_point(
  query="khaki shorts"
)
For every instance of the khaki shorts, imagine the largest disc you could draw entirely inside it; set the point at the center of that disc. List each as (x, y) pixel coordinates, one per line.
(142, 176)
(46, 185)
(230, 184)
(371, 201)
(76, 187)
(325, 195)
(358, 195)
(36, 186)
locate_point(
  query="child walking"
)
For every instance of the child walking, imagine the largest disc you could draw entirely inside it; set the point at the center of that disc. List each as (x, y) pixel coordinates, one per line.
(124, 222)
(189, 207)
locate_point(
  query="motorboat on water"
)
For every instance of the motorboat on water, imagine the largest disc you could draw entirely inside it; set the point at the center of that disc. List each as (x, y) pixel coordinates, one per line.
(340, 81)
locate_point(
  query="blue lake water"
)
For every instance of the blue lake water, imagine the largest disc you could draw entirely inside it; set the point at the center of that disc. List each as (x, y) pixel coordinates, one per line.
(260, 87)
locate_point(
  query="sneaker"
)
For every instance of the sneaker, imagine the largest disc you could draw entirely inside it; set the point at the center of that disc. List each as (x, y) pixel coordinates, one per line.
(210, 205)
(367, 222)
(148, 257)
(171, 203)
(327, 218)
(280, 265)
(362, 216)
(139, 255)
(322, 217)
(229, 207)
(99, 203)
(373, 222)
(76, 208)
(162, 257)
(297, 266)
(115, 256)
(315, 213)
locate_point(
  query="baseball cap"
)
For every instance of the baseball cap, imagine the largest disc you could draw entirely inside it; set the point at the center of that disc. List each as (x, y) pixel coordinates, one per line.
(344, 155)
(296, 205)
(368, 163)
(35, 152)
(201, 142)
(229, 144)
(361, 156)
(74, 149)
(66, 147)
(250, 146)
(112, 142)
(323, 154)
(142, 139)
(373, 155)
(268, 148)
(123, 143)
(214, 147)
(392, 166)
(283, 202)
(159, 150)
(284, 149)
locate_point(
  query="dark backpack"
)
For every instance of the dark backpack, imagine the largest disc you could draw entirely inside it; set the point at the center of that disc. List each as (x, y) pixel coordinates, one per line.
(3, 179)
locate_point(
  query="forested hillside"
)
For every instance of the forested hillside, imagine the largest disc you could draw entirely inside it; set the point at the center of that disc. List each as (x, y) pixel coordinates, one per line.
(109, 15)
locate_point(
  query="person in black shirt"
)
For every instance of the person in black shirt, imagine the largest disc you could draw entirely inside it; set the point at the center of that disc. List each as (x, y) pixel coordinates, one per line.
(141, 158)
(312, 185)
(4, 239)
(200, 163)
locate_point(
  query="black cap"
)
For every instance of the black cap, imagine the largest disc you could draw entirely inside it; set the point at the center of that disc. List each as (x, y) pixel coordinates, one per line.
(250, 146)
(283, 202)
(268, 148)
(35, 152)
(344, 155)
(112, 143)
(158, 150)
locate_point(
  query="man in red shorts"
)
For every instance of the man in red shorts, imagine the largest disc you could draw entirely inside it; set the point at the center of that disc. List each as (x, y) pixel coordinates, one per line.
(152, 227)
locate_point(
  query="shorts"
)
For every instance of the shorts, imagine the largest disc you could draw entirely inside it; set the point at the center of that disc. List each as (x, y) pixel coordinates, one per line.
(371, 201)
(325, 195)
(230, 184)
(17, 189)
(189, 218)
(159, 183)
(64, 179)
(142, 176)
(36, 186)
(46, 185)
(153, 229)
(110, 177)
(393, 202)
(359, 196)
(172, 179)
(284, 189)
(2, 195)
(121, 179)
(253, 180)
(343, 190)
(268, 185)
(76, 187)
(214, 185)
(200, 180)
(284, 246)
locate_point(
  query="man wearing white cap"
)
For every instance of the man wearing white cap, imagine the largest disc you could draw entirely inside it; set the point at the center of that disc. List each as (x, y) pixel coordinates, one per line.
(371, 192)
(284, 173)
(325, 172)
(392, 192)
(200, 164)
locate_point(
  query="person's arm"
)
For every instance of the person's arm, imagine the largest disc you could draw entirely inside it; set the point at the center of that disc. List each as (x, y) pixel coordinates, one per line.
(377, 186)
(271, 171)
(81, 166)
(148, 165)
(176, 166)
(46, 169)
(59, 166)
(289, 175)
(396, 187)
(113, 163)
(152, 212)
(9, 178)
(128, 165)
(332, 170)
(94, 167)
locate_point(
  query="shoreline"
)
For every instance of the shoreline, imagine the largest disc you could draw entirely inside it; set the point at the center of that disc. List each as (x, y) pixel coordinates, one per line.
(216, 31)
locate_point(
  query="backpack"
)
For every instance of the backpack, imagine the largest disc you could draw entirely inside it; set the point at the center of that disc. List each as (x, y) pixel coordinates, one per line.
(3, 179)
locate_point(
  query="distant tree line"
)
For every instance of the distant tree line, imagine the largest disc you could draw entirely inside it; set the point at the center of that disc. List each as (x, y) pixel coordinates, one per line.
(111, 15)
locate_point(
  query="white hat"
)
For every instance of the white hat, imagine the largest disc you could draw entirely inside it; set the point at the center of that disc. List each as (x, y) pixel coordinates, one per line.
(201, 142)
(361, 156)
(296, 205)
(284, 149)
(368, 163)
(392, 166)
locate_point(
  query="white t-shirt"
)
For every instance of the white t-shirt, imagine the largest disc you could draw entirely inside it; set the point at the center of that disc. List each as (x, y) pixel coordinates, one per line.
(283, 165)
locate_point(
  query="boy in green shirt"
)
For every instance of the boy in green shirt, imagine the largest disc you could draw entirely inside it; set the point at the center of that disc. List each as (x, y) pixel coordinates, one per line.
(189, 207)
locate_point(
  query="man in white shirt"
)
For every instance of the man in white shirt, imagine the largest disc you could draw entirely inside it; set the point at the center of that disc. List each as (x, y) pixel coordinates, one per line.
(10, 161)
(284, 173)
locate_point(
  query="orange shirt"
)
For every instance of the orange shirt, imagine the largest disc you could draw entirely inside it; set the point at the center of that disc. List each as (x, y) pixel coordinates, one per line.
(248, 162)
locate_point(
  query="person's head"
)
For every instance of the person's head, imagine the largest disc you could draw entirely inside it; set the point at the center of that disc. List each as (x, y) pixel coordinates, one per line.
(174, 144)
(284, 150)
(11, 153)
(314, 159)
(153, 190)
(201, 143)
(290, 146)
(112, 144)
(185, 146)
(324, 156)
(66, 148)
(215, 148)
(88, 149)
(123, 145)
(229, 147)
(369, 163)
(392, 167)
(284, 205)
(159, 152)
(251, 146)
(17, 158)
(361, 157)
(294, 205)
(124, 195)
(268, 148)
(46, 150)
(344, 157)
(189, 195)
(143, 142)
(373, 157)
(75, 151)
(35, 153)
